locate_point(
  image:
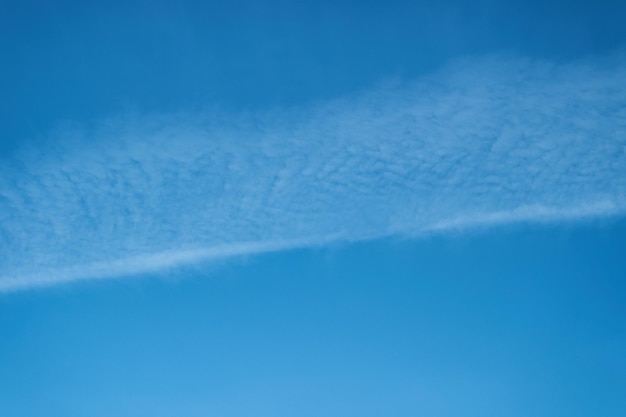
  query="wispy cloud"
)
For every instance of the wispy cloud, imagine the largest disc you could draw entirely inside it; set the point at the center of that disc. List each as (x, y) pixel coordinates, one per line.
(481, 142)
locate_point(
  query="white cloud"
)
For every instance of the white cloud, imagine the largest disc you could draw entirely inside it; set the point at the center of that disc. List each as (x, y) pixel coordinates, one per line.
(482, 142)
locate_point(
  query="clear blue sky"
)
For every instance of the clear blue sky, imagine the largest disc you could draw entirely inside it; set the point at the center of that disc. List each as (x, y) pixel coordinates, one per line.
(312, 209)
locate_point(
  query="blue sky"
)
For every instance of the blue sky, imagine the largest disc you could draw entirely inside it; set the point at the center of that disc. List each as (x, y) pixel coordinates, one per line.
(313, 208)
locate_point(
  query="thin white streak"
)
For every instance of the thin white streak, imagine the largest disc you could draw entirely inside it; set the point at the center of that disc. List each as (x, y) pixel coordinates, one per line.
(144, 264)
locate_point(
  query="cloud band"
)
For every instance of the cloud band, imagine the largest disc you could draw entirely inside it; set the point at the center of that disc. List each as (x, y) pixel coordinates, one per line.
(483, 141)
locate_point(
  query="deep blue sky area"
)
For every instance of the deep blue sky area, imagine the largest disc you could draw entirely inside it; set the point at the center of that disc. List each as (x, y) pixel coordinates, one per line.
(68, 61)
(513, 320)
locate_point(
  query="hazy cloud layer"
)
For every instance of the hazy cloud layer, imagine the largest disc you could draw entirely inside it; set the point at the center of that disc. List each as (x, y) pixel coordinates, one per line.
(481, 142)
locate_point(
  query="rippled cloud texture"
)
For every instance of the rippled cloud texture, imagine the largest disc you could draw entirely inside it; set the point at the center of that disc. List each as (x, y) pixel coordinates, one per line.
(483, 141)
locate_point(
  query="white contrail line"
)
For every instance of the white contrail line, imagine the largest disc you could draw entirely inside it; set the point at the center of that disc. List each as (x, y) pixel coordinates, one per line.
(142, 264)
(158, 262)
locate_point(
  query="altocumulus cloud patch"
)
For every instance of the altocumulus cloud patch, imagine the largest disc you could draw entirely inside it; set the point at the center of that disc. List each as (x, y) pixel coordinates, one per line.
(483, 141)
